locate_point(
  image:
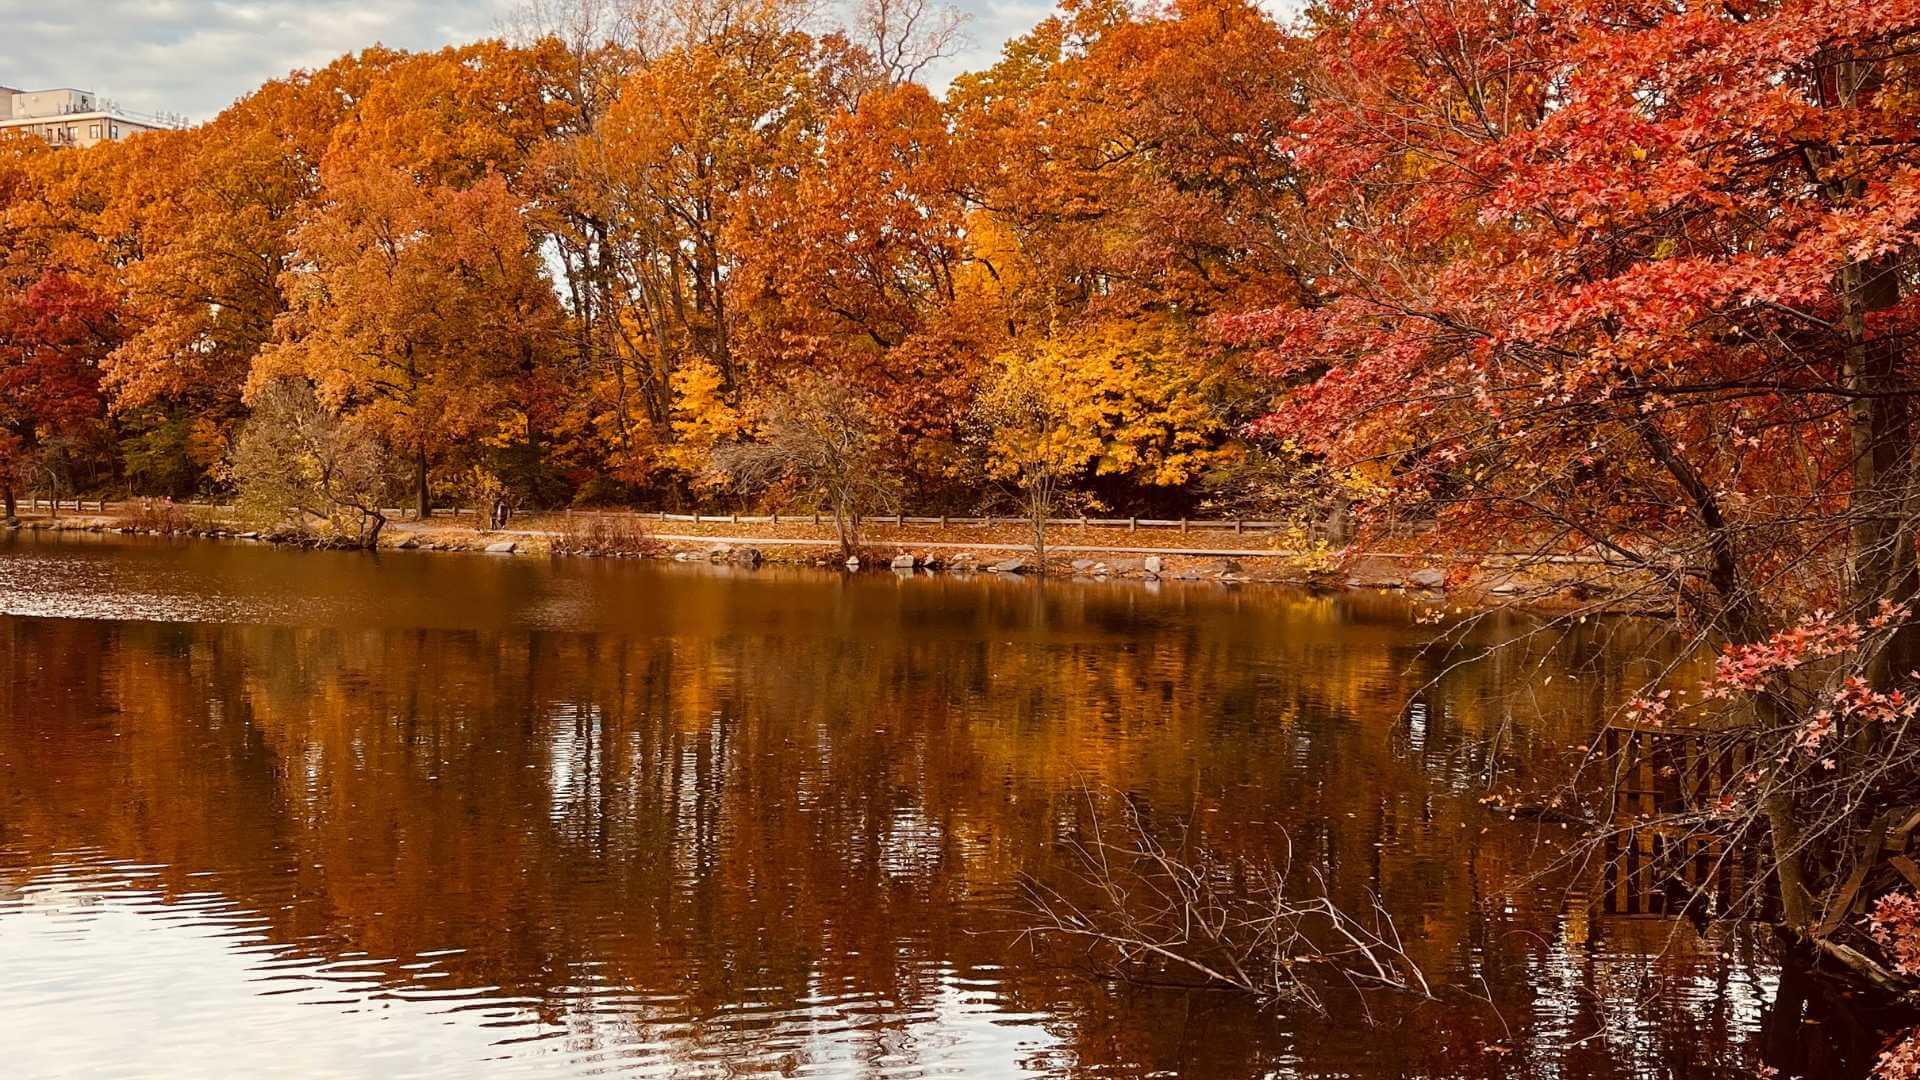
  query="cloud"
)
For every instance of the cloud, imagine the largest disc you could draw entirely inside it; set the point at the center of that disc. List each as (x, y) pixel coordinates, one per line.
(195, 57)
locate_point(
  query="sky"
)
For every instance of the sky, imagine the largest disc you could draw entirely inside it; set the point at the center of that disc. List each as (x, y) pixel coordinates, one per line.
(194, 57)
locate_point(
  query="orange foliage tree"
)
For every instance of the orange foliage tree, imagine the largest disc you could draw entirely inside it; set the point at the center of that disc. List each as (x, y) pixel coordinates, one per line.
(422, 310)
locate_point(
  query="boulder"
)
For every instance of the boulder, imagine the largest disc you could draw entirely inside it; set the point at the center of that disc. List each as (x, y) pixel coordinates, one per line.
(930, 562)
(903, 562)
(1083, 566)
(1228, 566)
(249, 536)
(1153, 565)
(502, 547)
(1507, 588)
(1100, 570)
(687, 556)
(853, 562)
(1127, 566)
(1008, 566)
(746, 556)
(718, 552)
(408, 544)
(1428, 579)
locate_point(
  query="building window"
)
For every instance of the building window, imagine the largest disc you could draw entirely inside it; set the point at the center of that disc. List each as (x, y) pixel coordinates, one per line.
(93, 132)
(116, 131)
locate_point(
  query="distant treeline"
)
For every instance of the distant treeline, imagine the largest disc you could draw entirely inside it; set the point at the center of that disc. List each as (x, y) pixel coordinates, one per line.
(581, 262)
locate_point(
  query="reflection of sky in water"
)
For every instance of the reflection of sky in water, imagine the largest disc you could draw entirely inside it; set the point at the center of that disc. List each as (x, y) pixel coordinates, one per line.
(177, 960)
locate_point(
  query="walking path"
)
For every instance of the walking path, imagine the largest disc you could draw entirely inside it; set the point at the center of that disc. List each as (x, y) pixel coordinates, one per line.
(940, 545)
(950, 545)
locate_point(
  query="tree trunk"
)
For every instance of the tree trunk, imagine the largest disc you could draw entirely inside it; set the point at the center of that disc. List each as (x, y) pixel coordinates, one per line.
(1039, 506)
(1882, 557)
(846, 526)
(424, 508)
(8, 502)
(1741, 624)
(1039, 539)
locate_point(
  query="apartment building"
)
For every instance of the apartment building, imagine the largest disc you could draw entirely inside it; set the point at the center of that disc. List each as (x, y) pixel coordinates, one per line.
(68, 117)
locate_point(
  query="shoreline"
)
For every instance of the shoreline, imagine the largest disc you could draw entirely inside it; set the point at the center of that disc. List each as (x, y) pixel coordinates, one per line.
(1541, 585)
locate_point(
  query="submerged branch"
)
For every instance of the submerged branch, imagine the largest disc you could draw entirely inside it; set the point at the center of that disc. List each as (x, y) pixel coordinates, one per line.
(1150, 916)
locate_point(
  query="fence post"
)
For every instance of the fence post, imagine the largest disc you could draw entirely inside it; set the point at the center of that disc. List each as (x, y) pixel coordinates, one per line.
(776, 517)
(899, 520)
(1133, 524)
(1239, 525)
(816, 517)
(734, 519)
(1183, 526)
(696, 517)
(943, 521)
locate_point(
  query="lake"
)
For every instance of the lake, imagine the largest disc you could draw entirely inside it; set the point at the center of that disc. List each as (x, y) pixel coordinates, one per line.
(275, 812)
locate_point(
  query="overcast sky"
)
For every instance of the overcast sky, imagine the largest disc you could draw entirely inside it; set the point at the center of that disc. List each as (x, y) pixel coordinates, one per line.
(196, 56)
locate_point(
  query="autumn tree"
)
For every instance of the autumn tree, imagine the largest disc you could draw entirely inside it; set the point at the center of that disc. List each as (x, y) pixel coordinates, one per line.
(201, 223)
(52, 337)
(1639, 282)
(726, 95)
(300, 463)
(818, 438)
(422, 311)
(585, 53)
(1101, 400)
(1130, 155)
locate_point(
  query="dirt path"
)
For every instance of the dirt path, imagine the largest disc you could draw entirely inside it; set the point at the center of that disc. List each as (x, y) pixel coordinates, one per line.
(892, 542)
(1525, 581)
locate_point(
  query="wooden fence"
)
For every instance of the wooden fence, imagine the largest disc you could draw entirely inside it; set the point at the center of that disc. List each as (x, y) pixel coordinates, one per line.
(1661, 856)
(804, 517)
(816, 517)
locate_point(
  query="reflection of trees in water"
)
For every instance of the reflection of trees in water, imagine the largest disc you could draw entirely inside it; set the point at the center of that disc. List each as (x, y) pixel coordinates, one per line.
(719, 815)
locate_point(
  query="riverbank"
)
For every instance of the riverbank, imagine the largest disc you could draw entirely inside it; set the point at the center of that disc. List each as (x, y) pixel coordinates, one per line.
(1083, 551)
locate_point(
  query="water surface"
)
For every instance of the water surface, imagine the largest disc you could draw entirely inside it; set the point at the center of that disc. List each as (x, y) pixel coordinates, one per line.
(327, 814)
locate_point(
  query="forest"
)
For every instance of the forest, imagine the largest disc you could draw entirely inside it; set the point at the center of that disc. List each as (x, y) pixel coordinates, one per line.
(1630, 279)
(584, 265)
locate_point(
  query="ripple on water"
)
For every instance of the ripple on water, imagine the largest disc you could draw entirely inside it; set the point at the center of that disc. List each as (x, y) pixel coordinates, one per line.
(92, 938)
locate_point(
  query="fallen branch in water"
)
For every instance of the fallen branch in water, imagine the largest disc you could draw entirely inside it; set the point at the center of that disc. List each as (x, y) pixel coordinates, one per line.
(1150, 916)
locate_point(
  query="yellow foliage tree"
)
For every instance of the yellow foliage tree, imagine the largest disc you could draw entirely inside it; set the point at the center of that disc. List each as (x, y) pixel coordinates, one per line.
(703, 417)
(1118, 398)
